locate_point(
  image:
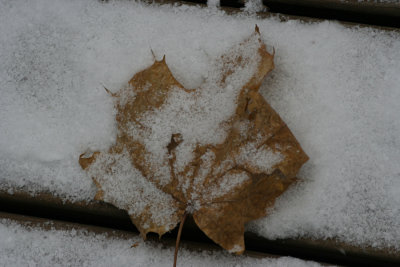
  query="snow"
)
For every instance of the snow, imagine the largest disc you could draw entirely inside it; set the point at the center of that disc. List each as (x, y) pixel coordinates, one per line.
(124, 186)
(337, 88)
(33, 246)
(213, 3)
(192, 118)
(227, 183)
(253, 6)
(341, 101)
(260, 159)
(201, 117)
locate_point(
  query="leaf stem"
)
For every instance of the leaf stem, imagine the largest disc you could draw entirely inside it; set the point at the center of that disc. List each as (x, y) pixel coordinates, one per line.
(178, 238)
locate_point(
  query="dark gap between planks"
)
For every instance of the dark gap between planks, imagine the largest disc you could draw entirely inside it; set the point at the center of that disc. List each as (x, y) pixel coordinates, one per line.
(364, 13)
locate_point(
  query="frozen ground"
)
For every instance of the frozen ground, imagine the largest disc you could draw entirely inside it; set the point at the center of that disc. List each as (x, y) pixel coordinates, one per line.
(21, 246)
(337, 88)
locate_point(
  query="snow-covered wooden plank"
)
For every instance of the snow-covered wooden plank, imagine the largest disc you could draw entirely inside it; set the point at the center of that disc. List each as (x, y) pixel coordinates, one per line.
(336, 87)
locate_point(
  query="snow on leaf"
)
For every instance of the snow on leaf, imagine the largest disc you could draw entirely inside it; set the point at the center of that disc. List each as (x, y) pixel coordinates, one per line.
(218, 152)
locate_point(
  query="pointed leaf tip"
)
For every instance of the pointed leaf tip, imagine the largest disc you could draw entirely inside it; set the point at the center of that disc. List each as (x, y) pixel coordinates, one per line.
(154, 56)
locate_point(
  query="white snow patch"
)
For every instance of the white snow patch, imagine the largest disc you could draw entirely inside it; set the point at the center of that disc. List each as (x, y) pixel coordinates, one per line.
(213, 3)
(258, 158)
(125, 187)
(228, 182)
(236, 248)
(253, 6)
(199, 116)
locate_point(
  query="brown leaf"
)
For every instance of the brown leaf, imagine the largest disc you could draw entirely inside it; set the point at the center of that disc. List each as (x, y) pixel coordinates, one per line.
(219, 152)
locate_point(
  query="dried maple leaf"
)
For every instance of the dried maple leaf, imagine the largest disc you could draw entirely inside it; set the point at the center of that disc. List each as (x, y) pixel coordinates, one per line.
(219, 152)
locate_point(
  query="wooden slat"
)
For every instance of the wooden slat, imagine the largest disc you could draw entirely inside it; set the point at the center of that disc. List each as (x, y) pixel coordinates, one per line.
(366, 12)
(377, 15)
(46, 224)
(104, 215)
(367, 7)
